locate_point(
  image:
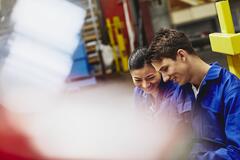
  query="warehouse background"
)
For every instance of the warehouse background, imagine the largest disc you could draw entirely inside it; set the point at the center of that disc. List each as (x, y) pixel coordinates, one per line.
(94, 74)
(92, 57)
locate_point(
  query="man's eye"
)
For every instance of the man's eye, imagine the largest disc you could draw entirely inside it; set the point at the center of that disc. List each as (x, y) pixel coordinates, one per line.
(164, 69)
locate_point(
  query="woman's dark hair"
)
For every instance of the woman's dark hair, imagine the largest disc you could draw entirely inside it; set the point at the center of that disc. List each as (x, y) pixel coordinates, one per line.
(137, 59)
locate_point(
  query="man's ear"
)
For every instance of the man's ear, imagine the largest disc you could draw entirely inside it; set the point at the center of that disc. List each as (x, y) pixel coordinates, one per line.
(181, 55)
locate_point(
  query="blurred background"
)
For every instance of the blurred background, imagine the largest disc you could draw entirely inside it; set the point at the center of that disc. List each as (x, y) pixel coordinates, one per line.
(64, 62)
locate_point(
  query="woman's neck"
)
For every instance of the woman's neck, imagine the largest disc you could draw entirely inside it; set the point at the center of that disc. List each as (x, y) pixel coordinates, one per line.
(155, 94)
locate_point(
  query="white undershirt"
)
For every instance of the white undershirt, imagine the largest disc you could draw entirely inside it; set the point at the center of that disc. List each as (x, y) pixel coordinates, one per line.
(195, 89)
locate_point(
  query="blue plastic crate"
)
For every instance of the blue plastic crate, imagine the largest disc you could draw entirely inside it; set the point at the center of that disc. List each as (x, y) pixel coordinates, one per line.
(80, 68)
(80, 52)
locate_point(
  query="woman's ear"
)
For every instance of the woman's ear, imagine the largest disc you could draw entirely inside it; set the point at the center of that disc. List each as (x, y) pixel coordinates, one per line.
(181, 55)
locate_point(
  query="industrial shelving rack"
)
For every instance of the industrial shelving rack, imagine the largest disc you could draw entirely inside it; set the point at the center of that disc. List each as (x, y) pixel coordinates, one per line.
(91, 35)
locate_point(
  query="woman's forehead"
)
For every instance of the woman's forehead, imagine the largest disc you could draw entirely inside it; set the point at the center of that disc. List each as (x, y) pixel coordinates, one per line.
(145, 71)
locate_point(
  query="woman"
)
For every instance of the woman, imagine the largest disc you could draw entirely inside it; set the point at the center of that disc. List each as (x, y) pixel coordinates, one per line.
(158, 100)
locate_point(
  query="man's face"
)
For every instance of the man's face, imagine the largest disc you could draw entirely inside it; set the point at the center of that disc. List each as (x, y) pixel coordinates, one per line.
(175, 70)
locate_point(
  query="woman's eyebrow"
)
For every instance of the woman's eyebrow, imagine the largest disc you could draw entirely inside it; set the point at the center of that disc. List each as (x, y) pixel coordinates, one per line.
(137, 78)
(150, 75)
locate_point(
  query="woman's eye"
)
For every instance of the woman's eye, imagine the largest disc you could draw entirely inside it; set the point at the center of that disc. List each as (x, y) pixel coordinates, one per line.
(138, 80)
(150, 78)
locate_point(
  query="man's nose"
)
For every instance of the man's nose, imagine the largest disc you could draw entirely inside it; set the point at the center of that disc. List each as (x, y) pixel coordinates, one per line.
(165, 77)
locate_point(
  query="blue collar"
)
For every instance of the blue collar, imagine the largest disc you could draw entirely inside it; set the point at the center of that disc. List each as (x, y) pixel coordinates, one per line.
(213, 72)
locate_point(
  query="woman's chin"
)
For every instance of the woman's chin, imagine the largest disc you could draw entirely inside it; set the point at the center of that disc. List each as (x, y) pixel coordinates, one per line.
(150, 91)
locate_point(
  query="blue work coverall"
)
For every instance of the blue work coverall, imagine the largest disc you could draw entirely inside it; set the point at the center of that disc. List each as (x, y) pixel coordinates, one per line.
(216, 116)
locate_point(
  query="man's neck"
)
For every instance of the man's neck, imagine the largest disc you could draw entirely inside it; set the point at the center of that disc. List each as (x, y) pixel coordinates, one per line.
(199, 71)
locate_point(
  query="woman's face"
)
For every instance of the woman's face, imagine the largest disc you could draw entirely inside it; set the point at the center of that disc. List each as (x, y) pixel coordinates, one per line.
(146, 78)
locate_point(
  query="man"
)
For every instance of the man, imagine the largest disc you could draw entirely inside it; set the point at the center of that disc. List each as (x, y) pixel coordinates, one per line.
(214, 91)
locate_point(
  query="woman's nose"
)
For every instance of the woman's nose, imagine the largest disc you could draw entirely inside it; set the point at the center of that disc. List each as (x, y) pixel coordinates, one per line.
(145, 84)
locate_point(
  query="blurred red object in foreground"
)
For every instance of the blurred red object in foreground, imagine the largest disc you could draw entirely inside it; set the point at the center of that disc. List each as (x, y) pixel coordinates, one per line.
(14, 145)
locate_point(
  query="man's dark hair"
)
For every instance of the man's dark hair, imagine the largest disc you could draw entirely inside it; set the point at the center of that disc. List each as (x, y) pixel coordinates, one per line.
(166, 43)
(137, 59)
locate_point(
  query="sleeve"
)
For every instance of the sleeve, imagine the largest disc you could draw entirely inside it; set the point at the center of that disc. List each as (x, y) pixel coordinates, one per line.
(181, 102)
(232, 130)
(168, 89)
(182, 98)
(180, 141)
